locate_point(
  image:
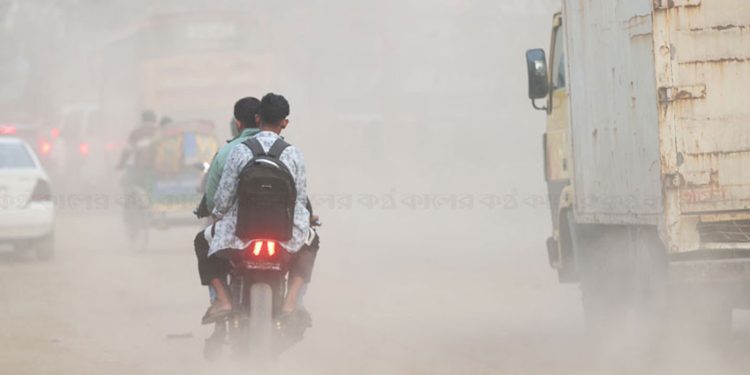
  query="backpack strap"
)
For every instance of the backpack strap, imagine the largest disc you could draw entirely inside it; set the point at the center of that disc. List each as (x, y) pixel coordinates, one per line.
(277, 148)
(254, 146)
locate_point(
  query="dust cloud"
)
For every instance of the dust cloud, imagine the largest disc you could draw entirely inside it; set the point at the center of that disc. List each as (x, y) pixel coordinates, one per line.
(424, 161)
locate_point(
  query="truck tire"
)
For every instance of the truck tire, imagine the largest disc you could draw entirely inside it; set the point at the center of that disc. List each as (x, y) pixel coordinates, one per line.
(650, 284)
(605, 268)
(624, 269)
(568, 271)
(260, 326)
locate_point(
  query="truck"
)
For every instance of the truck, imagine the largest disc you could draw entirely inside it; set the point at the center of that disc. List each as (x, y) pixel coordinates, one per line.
(197, 64)
(646, 143)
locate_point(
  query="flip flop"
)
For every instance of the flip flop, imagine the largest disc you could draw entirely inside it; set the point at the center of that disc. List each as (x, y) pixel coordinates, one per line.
(214, 317)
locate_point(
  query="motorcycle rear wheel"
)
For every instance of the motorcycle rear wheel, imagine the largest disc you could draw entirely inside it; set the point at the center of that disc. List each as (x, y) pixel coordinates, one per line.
(260, 327)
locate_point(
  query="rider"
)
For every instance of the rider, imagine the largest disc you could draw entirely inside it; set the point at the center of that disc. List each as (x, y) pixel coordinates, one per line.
(138, 174)
(139, 149)
(165, 121)
(274, 110)
(245, 112)
(139, 138)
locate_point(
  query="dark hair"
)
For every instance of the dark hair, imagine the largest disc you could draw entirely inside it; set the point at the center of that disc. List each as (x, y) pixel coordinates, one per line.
(148, 116)
(245, 110)
(273, 108)
(165, 121)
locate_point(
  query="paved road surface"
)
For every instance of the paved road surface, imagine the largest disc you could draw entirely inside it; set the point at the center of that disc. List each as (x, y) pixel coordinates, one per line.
(406, 292)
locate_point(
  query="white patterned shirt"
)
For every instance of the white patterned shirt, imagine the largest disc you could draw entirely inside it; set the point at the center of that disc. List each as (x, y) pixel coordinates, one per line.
(226, 203)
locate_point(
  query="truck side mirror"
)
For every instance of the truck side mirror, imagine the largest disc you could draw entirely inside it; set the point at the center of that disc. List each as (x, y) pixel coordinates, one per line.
(536, 63)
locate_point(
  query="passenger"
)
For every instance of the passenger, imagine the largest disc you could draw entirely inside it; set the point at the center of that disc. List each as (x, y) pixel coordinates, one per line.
(245, 112)
(274, 110)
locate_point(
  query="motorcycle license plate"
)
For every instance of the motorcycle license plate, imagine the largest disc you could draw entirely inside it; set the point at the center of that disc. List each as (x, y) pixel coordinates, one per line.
(263, 266)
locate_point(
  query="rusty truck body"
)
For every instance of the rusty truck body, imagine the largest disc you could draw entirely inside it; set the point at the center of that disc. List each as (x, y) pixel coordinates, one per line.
(647, 141)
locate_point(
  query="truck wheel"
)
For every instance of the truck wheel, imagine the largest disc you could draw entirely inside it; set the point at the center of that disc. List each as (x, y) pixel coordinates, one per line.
(45, 248)
(650, 284)
(604, 268)
(568, 272)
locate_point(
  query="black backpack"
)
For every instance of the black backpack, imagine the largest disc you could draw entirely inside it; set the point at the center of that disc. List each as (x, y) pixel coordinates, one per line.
(266, 195)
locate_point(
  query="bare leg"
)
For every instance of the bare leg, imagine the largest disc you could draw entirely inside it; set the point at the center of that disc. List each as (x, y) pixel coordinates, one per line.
(221, 307)
(290, 303)
(222, 301)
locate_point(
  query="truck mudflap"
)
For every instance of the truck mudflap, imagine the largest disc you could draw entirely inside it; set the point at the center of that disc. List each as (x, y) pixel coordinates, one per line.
(709, 271)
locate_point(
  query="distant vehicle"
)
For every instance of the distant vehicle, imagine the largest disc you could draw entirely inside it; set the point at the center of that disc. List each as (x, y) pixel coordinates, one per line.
(85, 145)
(39, 139)
(645, 155)
(180, 156)
(26, 205)
(187, 53)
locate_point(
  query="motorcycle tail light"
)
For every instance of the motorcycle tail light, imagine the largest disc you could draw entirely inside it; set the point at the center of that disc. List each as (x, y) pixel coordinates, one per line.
(262, 255)
(257, 247)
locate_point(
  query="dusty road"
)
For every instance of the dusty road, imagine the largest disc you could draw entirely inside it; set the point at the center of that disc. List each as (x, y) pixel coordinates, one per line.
(392, 298)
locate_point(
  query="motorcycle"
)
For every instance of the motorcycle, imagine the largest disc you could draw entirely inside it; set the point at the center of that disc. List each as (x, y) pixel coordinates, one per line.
(256, 329)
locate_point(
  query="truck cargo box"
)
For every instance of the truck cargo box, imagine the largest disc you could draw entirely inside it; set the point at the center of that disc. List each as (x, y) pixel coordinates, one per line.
(660, 118)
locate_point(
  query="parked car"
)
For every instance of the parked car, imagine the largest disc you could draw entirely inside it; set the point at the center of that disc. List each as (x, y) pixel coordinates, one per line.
(26, 206)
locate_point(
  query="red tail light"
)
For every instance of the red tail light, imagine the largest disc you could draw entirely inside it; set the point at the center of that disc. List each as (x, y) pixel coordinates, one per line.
(257, 247)
(44, 147)
(83, 148)
(270, 247)
(7, 130)
(41, 193)
(54, 133)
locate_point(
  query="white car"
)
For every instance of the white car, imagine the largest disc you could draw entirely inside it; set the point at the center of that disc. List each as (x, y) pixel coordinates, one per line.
(26, 206)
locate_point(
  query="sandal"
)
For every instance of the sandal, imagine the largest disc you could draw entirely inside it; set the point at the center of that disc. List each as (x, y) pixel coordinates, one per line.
(215, 316)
